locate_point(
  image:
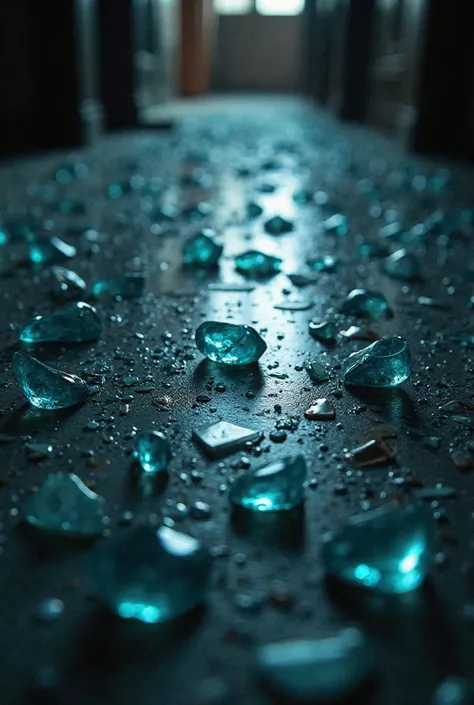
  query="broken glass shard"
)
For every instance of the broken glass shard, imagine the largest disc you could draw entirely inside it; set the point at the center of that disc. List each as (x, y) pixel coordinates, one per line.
(337, 225)
(229, 344)
(457, 406)
(152, 576)
(46, 387)
(302, 279)
(65, 505)
(320, 410)
(257, 264)
(278, 225)
(325, 332)
(357, 333)
(385, 363)
(51, 249)
(273, 488)
(127, 286)
(374, 452)
(326, 263)
(463, 458)
(388, 550)
(75, 323)
(402, 265)
(253, 210)
(224, 438)
(202, 250)
(318, 373)
(327, 669)
(67, 284)
(365, 304)
(152, 450)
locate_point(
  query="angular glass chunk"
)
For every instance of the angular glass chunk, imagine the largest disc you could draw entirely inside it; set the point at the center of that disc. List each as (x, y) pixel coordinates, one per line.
(302, 279)
(273, 488)
(321, 410)
(337, 224)
(67, 284)
(385, 363)
(75, 323)
(202, 250)
(257, 264)
(318, 373)
(402, 265)
(152, 450)
(46, 387)
(374, 452)
(51, 249)
(320, 670)
(229, 344)
(357, 333)
(278, 225)
(254, 210)
(388, 549)
(65, 505)
(325, 332)
(153, 576)
(128, 286)
(224, 438)
(365, 304)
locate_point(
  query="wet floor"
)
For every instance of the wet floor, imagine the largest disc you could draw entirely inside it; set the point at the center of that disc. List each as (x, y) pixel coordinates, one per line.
(128, 205)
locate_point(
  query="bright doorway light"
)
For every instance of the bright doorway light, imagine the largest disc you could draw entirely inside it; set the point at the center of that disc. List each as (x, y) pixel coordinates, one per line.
(233, 7)
(280, 7)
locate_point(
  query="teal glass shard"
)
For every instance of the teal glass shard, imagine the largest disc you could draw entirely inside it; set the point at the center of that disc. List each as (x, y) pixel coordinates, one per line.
(202, 250)
(46, 387)
(337, 224)
(126, 286)
(385, 363)
(402, 265)
(152, 576)
(65, 505)
(77, 322)
(365, 304)
(278, 225)
(388, 550)
(303, 197)
(229, 344)
(273, 488)
(223, 438)
(301, 280)
(325, 331)
(323, 670)
(254, 210)
(318, 373)
(325, 263)
(51, 249)
(257, 264)
(152, 450)
(67, 284)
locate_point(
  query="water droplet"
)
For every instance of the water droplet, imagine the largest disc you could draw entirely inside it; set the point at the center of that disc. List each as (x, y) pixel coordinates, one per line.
(229, 344)
(317, 670)
(50, 610)
(385, 363)
(153, 576)
(223, 438)
(127, 286)
(77, 322)
(152, 451)
(320, 410)
(365, 304)
(272, 488)
(454, 691)
(388, 549)
(46, 387)
(202, 250)
(254, 263)
(65, 505)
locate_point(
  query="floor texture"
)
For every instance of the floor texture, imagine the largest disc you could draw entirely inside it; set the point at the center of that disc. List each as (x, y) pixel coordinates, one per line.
(268, 581)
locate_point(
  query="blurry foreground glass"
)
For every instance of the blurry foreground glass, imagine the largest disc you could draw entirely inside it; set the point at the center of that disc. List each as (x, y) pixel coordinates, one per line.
(233, 7)
(280, 7)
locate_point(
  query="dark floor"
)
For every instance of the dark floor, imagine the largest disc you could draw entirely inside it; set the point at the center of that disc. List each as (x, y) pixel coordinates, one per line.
(421, 638)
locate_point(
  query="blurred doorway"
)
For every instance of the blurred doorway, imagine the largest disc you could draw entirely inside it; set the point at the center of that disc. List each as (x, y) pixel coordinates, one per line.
(259, 45)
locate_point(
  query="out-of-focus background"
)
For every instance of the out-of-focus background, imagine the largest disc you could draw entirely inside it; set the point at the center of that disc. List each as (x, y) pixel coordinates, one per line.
(73, 70)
